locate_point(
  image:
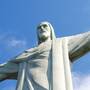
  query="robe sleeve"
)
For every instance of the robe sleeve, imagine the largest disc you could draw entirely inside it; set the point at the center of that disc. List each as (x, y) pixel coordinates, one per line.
(8, 70)
(78, 45)
(24, 55)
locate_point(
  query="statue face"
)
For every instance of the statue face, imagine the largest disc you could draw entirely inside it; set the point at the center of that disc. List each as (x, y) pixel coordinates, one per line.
(44, 31)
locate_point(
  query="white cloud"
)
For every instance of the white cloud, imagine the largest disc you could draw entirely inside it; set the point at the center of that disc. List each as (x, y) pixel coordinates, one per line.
(16, 43)
(9, 41)
(81, 81)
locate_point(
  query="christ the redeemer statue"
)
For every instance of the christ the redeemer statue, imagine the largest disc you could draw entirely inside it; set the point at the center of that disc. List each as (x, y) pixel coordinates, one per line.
(46, 66)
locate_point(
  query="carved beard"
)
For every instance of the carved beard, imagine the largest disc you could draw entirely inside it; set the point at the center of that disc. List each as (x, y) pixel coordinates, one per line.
(43, 38)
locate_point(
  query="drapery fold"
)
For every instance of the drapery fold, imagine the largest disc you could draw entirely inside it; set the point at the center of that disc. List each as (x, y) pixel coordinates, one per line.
(61, 71)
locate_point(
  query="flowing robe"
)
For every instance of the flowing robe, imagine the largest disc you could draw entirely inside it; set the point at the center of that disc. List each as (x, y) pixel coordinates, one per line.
(33, 74)
(78, 46)
(47, 69)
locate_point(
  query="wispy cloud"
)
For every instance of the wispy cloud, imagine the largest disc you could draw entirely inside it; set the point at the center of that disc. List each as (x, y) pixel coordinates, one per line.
(12, 42)
(81, 81)
(10, 46)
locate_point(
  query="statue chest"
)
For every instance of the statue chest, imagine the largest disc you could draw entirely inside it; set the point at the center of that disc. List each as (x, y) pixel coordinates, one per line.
(38, 67)
(41, 58)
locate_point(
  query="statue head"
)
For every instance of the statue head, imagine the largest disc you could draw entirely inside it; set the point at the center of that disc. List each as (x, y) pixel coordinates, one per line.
(45, 31)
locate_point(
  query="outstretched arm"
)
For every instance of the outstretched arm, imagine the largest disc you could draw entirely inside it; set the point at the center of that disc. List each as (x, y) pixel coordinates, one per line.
(25, 55)
(78, 45)
(8, 71)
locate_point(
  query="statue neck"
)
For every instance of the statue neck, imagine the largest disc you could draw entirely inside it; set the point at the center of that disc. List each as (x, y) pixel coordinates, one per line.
(47, 40)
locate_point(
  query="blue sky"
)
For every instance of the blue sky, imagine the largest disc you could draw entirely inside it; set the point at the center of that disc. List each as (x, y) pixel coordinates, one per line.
(18, 22)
